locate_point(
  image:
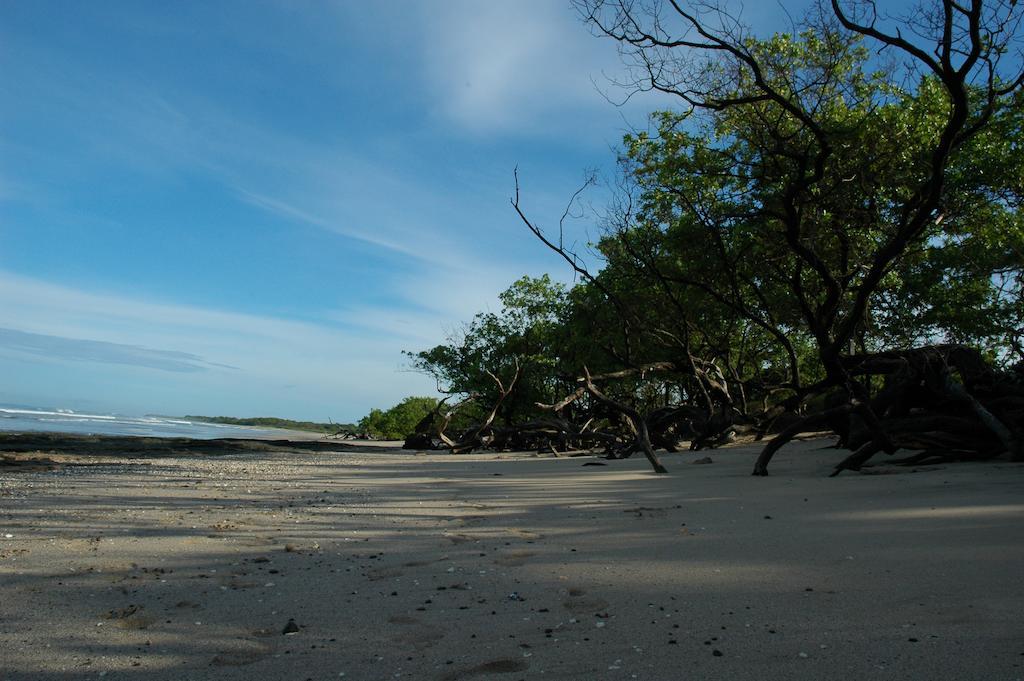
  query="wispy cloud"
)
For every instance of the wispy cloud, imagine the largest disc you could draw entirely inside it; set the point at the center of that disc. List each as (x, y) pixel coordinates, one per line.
(327, 184)
(84, 350)
(506, 67)
(291, 212)
(157, 158)
(529, 69)
(347, 366)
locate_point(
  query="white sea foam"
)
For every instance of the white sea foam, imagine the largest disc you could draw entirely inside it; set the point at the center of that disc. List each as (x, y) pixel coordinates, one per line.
(59, 412)
(19, 418)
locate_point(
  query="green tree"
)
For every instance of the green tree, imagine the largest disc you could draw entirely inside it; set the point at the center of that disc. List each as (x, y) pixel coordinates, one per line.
(526, 334)
(399, 421)
(815, 192)
(809, 202)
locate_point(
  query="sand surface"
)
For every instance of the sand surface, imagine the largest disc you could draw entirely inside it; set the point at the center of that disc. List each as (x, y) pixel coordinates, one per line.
(398, 566)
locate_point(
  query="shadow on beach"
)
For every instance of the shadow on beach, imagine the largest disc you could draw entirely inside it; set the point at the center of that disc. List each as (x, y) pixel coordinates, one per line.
(33, 449)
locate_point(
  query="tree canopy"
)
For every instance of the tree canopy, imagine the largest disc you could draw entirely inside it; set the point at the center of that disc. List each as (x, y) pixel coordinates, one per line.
(848, 189)
(398, 421)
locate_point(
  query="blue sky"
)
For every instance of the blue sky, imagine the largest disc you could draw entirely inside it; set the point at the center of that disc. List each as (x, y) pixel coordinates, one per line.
(253, 207)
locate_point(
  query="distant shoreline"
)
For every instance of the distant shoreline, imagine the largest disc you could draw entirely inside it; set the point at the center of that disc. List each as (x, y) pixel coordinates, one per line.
(43, 447)
(40, 420)
(274, 422)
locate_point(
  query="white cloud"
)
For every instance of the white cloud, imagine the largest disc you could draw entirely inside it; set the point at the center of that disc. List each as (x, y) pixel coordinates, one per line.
(352, 366)
(337, 224)
(86, 350)
(523, 63)
(511, 66)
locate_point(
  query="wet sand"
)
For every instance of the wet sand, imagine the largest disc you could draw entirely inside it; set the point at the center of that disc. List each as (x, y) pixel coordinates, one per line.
(182, 565)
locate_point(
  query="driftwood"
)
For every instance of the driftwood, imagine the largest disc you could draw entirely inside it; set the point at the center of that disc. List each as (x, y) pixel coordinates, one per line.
(941, 398)
(642, 439)
(475, 438)
(945, 402)
(431, 431)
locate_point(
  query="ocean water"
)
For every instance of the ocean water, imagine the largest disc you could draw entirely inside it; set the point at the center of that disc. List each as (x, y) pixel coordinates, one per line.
(67, 421)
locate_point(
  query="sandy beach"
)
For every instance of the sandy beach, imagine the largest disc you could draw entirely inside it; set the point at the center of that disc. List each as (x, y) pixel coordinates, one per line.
(388, 565)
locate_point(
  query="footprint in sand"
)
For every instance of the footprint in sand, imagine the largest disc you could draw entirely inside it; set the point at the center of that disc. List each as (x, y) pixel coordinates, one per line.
(648, 511)
(500, 666)
(130, 617)
(514, 558)
(257, 541)
(419, 637)
(414, 633)
(579, 604)
(377, 574)
(418, 563)
(247, 652)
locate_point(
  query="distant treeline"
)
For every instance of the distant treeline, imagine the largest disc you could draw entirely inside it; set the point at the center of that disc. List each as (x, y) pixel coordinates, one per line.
(273, 422)
(391, 424)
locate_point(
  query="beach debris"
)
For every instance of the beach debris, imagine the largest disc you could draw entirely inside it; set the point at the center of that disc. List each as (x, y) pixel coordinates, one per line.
(716, 653)
(514, 596)
(121, 613)
(290, 628)
(706, 459)
(296, 548)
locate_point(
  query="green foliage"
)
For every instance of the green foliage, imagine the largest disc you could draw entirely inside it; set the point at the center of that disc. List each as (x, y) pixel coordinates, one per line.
(787, 218)
(815, 206)
(273, 422)
(527, 332)
(399, 421)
